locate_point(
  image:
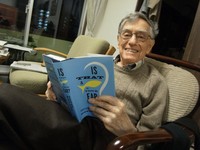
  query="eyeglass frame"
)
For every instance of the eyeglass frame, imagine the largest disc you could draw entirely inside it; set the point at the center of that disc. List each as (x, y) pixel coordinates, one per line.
(138, 39)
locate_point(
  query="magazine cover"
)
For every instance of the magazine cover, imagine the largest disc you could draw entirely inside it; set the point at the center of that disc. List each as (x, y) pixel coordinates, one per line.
(75, 80)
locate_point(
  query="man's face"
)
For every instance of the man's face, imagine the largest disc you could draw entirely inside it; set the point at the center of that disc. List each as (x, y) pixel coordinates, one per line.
(134, 42)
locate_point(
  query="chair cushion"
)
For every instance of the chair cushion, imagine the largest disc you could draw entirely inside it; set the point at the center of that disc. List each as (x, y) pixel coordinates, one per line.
(90, 44)
(34, 81)
(183, 89)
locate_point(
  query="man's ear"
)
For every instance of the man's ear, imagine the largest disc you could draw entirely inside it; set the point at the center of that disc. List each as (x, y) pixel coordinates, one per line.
(151, 44)
(118, 39)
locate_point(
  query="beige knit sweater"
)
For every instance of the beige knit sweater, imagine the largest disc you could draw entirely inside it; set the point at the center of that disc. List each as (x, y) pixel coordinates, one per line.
(145, 94)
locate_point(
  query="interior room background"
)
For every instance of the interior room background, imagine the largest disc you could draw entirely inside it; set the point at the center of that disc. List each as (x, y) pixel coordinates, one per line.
(56, 23)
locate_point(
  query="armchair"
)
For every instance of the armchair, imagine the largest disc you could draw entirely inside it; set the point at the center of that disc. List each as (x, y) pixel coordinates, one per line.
(183, 103)
(36, 81)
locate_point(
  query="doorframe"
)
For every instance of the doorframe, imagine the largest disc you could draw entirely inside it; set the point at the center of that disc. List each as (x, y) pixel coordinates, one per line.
(192, 53)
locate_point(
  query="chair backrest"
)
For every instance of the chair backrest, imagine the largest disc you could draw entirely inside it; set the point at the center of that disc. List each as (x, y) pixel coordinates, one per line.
(183, 89)
(82, 46)
(85, 44)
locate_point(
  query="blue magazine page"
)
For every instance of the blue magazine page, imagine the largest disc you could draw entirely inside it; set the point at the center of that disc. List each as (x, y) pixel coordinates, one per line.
(58, 81)
(89, 77)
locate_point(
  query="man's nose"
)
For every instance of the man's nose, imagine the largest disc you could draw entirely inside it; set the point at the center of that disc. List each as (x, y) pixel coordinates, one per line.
(133, 39)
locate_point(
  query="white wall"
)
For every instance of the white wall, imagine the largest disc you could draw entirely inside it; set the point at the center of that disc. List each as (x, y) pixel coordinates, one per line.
(115, 11)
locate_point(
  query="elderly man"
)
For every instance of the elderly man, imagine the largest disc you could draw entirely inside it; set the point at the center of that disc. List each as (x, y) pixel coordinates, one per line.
(29, 122)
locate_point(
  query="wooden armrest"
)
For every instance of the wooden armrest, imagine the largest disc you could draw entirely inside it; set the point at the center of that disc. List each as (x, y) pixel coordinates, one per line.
(139, 138)
(174, 61)
(111, 50)
(132, 141)
(47, 50)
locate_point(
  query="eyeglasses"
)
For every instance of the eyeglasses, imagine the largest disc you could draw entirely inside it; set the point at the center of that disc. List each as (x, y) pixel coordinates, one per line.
(140, 35)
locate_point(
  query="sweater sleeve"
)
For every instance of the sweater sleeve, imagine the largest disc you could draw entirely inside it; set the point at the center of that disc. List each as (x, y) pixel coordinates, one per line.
(154, 106)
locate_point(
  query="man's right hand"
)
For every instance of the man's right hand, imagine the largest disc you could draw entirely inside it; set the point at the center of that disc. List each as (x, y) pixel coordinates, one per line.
(112, 112)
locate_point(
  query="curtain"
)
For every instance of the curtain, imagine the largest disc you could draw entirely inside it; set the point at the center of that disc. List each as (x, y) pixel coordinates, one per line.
(152, 9)
(95, 9)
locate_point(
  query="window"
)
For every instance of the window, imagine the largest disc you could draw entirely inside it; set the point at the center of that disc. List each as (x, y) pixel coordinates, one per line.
(54, 23)
(11, 28)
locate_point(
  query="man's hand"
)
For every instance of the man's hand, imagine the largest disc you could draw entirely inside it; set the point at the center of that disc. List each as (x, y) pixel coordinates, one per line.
(49, 92)
(112, 112)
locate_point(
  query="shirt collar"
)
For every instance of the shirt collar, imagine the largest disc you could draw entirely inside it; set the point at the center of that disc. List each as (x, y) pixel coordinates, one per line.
(132, 66)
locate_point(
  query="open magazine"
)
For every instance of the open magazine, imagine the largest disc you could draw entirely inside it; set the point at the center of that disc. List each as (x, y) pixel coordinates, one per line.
(75, 80)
